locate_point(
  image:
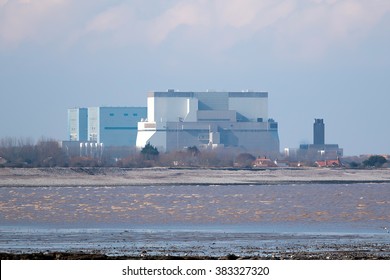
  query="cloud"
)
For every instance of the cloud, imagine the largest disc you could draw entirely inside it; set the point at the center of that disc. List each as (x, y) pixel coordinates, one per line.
(294, 28)
(110, 20)
(320, 25)
(113, 27)
(3, 2)
(300, 28)
(252, 14)
(187, 13)
(28, 20)
(215, 25)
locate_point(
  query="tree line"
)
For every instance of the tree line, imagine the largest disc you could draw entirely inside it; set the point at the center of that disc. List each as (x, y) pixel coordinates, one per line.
(49, 153)
(26, 153)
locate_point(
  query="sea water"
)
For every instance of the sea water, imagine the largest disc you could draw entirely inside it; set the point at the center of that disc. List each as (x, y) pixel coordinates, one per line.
(198, 220)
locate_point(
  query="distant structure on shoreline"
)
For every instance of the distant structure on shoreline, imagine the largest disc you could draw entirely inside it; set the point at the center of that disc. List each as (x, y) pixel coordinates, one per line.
(319, 132)
(78, 124)
(91, 129)
(175, 120)
(318, 150)
(112, 126)
(210, 119)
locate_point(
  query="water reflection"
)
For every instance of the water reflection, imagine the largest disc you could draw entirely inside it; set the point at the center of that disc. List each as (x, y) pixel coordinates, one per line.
(367, 204)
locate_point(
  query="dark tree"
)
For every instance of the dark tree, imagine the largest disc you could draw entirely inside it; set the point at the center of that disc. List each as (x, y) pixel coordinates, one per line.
(354, 164)
(375, 161)
(194, 151)
(244, 160)
(149, 152)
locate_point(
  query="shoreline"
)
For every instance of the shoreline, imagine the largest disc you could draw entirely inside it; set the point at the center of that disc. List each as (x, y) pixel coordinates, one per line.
(87, 200)
(325, 255)
(206, 246)
(83, 176)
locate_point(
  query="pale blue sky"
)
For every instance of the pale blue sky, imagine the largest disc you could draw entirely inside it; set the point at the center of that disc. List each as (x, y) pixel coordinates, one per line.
(317, 59)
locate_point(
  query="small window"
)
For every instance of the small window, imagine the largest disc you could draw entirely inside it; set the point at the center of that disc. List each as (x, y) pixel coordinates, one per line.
(135, 114)
(126, 114)
(111, 114)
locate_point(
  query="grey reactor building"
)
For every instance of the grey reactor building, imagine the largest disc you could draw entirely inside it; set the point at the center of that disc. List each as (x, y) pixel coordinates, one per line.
(175, 120)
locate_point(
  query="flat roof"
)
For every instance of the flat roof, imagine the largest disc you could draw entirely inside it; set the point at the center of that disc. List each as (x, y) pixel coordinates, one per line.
(189, 94)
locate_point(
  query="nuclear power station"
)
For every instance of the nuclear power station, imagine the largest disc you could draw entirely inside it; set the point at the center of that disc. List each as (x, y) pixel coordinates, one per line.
(175, 120)
(210, 119)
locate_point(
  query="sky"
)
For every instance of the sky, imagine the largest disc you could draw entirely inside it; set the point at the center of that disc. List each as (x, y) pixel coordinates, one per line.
(325, 59)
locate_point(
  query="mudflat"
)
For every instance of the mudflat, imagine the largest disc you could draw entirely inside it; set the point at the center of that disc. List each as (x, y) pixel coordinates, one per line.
(67, 213)
(178, 176)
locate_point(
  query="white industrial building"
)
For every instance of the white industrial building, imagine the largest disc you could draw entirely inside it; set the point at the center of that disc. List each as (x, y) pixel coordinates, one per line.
(176, 120)
(109, 126)
(114, 126)
(78, 124)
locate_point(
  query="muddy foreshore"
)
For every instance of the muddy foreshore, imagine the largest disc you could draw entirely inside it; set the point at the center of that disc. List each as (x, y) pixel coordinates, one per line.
(325, 255)
(80, 176)
(100, 177)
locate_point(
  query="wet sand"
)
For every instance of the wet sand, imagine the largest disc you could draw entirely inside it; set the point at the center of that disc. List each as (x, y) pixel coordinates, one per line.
(162, 244)
(351, 254)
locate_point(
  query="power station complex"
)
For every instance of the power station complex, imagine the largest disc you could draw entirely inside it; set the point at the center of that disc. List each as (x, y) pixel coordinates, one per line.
(174, 120)
(209, 119)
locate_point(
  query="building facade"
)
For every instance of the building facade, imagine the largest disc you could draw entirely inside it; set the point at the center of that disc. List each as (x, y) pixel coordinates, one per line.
(108, 126)
(319, 132)
(78, 124)
(114, 126)
(177, 120)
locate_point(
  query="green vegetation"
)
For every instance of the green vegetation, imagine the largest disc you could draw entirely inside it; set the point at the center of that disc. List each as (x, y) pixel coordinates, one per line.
(50, 153)
(245, 160)
(150, 152)
(375, 161)
(194, 151)
(24, 153)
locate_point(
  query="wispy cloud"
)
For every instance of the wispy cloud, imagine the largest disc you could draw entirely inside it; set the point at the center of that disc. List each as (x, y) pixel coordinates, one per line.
(319, 25)
(187, 13)
(3, 2)
(29, 20)
(308, 27)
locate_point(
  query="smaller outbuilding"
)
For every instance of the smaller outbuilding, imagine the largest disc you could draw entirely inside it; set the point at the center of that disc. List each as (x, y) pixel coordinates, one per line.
(329, 163)
(264, 162)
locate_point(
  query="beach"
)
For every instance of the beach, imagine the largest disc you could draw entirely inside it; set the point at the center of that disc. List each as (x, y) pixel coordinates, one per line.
(84, 176)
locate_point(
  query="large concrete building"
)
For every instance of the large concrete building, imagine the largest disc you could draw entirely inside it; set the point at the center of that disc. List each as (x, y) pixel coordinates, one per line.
(114, 126)
(209, 119)
(109, 126)
(78, 124)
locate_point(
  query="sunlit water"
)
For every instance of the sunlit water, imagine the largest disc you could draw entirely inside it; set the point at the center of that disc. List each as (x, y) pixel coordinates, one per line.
(192, 219)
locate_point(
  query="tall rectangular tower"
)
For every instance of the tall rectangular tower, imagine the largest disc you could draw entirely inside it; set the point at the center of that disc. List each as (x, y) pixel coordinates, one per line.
(78, 124)
(319, 132)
